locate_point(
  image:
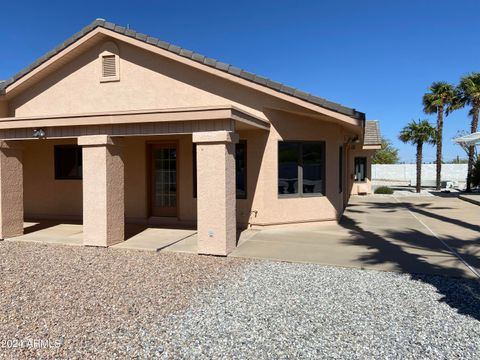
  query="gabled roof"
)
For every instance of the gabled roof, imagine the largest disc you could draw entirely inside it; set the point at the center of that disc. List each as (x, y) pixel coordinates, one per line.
(190, 55)
(372, 133)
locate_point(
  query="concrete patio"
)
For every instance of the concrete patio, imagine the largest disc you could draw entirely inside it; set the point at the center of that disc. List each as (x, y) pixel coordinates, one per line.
(417, 235)
(434, 235)
(138, 237)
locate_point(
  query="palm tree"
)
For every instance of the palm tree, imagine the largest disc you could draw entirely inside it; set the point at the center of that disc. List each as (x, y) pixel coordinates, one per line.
(468, 93)
(418, 133)
(439, 101)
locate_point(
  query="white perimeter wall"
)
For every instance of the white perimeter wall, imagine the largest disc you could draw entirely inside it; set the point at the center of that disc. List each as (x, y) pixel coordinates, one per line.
(408, 172)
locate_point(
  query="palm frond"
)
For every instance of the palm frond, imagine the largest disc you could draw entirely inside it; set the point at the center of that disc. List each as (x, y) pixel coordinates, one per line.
(440, 97)
(416, 132)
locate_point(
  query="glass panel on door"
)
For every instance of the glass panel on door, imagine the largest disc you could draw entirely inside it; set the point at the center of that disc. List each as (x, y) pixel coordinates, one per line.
(164, 180)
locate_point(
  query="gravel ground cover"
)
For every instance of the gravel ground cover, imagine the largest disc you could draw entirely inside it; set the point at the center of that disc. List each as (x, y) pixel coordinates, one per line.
(94, 303)
(118, 304)
(300, 311)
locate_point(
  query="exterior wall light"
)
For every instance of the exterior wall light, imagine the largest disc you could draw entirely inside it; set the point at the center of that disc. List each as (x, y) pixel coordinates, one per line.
(39, 133)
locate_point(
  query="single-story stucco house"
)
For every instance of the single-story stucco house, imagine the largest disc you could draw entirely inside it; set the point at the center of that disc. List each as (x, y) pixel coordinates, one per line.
(114, 125)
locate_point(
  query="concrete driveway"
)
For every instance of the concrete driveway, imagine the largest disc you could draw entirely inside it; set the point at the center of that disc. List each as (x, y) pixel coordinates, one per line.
(417, 235)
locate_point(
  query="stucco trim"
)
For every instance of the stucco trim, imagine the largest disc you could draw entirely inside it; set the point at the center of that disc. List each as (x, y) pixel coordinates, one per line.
(215, 137)
(140, 116)
(98, 140)
(371, 147)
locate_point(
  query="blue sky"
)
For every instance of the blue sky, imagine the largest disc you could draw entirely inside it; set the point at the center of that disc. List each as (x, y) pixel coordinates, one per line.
(377, 56)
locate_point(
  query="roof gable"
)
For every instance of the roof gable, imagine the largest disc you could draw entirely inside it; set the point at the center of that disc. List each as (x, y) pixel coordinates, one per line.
(230, 69)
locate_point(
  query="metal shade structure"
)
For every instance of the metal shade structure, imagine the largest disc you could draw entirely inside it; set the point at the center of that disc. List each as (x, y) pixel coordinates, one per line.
(470, 139)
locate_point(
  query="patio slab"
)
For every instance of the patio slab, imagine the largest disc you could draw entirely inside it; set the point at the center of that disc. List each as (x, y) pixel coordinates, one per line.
(49, 232)
(138, 237)
(155, 239)
(411, 235)
(187, 246)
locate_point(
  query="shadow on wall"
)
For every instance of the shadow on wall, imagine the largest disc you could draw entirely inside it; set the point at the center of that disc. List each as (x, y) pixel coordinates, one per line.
(256, 143)
(458, 292)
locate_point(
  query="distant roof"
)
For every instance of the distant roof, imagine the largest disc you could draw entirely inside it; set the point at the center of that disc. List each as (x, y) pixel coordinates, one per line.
(372, 133)
(470, 139)
(190, 55)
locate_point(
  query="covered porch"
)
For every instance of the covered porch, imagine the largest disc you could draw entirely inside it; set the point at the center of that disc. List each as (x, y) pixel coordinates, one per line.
(139, 178)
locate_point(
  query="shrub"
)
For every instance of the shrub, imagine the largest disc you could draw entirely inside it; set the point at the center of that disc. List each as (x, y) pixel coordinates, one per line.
(384, 190)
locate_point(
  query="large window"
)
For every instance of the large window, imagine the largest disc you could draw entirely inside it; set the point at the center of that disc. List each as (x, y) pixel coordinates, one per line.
(301, 168)
(68, 162)
(240, 169)
(360, 168)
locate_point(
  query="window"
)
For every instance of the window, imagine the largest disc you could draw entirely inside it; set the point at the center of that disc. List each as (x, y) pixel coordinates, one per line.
(240, 169)
(68, 162)
(340, 169)
(360, 168)
(301, 168)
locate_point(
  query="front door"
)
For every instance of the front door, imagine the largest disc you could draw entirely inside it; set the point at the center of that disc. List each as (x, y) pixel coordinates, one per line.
(163, 184)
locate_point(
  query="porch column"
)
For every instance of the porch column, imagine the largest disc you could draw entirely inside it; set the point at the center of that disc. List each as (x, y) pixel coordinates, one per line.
(103, 190)
(11, 190)
(216, 201)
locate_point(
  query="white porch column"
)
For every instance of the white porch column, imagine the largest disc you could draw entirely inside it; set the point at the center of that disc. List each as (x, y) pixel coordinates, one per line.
(11, 190)
(216, 200)
(103, 190)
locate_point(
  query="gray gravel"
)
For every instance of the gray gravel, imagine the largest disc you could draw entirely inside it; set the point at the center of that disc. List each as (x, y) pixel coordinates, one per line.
(116, 304)
(287, 311)
(92, 302)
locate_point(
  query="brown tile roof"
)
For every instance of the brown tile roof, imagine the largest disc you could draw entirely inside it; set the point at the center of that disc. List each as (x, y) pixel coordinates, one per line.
(372, 133)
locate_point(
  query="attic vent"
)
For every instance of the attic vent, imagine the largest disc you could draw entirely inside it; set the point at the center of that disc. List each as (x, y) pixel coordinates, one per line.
(109, 68)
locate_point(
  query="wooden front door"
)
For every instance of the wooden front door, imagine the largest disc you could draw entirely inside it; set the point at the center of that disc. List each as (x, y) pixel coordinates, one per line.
(163, 179)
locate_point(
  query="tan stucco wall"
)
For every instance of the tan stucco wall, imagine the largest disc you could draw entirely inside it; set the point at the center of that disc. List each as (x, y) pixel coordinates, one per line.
(103, 190)
(43, 195)
(11, 190)
(271, 209)
(150, 81)
(136, 172)
(47, 197)
(216, 229)
(147, 81)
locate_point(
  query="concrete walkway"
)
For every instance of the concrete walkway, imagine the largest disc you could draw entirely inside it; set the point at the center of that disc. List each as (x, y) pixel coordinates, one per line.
(433, 235)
